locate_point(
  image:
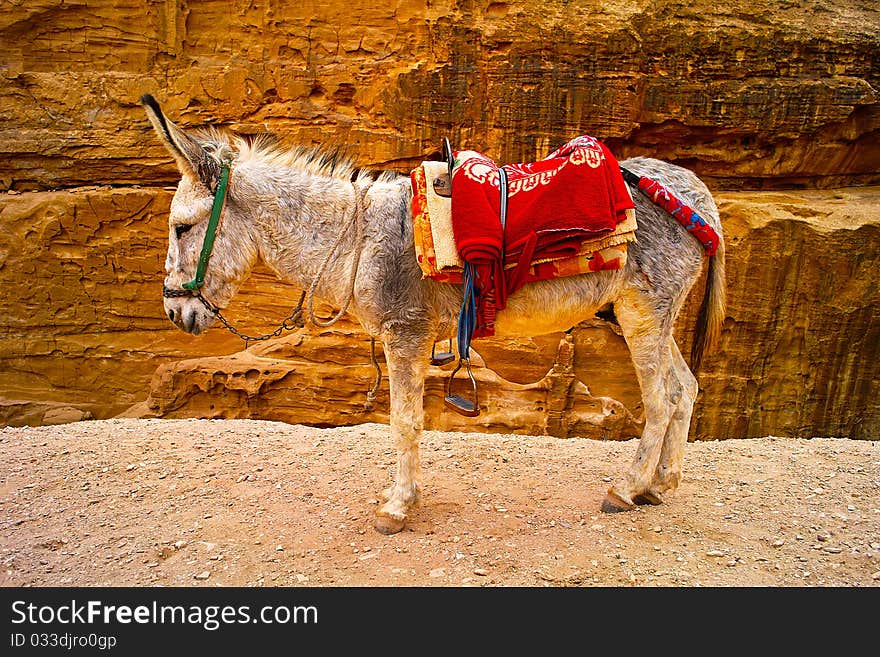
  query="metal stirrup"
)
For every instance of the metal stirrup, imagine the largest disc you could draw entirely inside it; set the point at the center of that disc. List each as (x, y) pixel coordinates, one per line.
(443, 357)
(466, 323)
(459, 404)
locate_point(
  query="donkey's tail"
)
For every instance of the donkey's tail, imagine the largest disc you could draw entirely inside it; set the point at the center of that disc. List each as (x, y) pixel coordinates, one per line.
(712, 309)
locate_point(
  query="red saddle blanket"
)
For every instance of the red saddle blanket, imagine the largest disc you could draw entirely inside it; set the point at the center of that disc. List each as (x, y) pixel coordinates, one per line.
(575, 194)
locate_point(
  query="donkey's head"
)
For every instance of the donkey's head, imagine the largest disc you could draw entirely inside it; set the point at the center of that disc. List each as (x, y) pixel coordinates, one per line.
(202, 159)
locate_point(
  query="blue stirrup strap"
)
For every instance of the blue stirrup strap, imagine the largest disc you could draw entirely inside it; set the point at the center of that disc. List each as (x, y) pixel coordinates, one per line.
(467, 316)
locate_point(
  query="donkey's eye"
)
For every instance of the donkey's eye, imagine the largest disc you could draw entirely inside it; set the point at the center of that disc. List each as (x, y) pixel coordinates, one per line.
(182, 229)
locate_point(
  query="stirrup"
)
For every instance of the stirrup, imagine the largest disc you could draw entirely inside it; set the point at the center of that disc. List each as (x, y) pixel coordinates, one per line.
(459, 404)
(443, 357)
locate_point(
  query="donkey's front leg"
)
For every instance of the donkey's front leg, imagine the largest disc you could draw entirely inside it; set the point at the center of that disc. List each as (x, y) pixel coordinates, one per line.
(406, 376)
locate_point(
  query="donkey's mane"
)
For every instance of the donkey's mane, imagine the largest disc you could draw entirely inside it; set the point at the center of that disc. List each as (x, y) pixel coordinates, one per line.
(265, 148)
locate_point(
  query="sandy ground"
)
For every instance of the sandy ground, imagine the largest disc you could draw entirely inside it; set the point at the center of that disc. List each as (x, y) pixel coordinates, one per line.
(251, 503)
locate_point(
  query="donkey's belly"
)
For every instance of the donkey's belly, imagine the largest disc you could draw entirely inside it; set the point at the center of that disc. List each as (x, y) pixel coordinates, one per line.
(507, 325)
(550, 306)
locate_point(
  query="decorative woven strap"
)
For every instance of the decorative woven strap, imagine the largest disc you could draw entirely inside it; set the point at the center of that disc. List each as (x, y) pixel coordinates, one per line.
(683, 213)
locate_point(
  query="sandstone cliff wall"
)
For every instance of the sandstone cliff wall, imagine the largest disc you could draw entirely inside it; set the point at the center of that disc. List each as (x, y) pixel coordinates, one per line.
(754, 96)
(747, 93)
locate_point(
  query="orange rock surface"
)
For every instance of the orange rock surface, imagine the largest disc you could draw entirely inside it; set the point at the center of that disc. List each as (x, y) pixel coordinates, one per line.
(775, 105)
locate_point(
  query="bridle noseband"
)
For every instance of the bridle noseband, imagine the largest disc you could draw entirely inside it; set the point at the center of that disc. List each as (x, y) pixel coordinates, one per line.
(194, 286)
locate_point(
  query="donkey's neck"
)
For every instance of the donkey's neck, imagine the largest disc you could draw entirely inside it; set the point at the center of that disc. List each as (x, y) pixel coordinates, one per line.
(301, 222)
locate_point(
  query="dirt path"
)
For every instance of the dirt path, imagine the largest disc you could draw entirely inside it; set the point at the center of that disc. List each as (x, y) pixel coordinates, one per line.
(251, 503)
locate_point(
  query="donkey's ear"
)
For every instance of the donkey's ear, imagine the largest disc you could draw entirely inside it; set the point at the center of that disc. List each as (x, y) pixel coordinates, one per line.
(191, 157)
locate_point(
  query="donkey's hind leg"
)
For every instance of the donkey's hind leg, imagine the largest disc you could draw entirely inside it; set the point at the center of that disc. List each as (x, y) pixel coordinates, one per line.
(667, 476)
(648, 337)
(406, 376)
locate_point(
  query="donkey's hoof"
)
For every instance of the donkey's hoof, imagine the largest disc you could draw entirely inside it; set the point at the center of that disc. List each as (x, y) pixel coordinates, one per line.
(614, 503)
(388, 525)
(648, 498)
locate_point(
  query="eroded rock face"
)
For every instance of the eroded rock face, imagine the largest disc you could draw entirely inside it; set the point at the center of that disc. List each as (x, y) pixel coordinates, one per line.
(758, 94)
(802, 333)
(84, 326)
(83, 321)
(751, 95)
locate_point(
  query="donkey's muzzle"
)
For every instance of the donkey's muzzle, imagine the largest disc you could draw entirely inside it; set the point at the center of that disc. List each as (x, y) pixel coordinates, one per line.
(186, 315)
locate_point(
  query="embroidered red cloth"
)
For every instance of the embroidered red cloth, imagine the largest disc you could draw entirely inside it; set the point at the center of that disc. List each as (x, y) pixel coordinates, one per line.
(575, 194)
(438, 256)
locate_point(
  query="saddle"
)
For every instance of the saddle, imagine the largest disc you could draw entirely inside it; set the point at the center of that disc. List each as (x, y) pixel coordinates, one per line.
(563, 244)
(466, 237)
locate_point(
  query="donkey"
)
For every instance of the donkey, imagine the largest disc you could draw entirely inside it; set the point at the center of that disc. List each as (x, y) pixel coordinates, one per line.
(346, 235)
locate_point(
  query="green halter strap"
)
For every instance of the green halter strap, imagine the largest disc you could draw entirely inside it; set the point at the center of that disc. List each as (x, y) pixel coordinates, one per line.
(219, 200)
